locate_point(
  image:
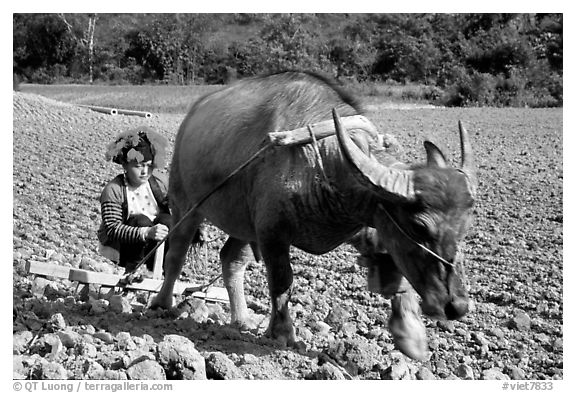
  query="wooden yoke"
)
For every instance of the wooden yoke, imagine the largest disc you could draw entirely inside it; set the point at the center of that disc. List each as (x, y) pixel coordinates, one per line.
(321, 130)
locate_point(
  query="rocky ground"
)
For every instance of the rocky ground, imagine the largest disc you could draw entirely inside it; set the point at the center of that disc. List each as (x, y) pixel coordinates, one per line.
(514, 261)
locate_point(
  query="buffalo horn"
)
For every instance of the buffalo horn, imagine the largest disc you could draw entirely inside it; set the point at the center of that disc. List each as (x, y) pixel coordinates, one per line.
(467, 165)
(466, 149)
(392, 182)
(467, 154)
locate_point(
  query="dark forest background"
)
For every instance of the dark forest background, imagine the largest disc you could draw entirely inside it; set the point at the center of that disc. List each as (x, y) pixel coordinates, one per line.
(457, 59)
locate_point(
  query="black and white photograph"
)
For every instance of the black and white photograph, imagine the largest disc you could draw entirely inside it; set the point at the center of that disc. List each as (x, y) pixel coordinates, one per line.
(288, 196)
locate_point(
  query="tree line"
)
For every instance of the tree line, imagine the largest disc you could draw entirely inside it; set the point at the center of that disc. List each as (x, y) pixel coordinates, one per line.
(461, 59)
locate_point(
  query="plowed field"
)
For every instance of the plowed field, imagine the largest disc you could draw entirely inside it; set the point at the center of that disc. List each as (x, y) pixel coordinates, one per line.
(513, 255)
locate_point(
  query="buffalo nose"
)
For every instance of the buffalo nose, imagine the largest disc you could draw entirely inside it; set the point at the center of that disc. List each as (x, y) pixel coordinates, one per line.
(456, 309)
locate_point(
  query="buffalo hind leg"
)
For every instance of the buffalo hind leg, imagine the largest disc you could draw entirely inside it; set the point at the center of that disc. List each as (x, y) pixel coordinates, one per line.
(234, 257)
(279, 274)
(180, 240)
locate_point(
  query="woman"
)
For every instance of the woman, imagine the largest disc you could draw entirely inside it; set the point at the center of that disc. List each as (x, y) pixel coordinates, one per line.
(134, 205)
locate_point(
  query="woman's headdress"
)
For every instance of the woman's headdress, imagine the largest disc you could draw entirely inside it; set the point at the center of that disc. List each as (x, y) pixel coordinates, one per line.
(139, 144)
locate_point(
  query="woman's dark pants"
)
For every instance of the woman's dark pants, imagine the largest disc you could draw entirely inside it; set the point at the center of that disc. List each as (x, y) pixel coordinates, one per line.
(132, 254)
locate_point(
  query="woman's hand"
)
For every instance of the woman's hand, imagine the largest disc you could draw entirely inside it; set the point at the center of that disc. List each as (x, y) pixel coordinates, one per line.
(157, 232)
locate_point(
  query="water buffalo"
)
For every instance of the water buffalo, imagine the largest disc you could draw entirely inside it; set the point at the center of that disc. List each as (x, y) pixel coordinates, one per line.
(315, 197)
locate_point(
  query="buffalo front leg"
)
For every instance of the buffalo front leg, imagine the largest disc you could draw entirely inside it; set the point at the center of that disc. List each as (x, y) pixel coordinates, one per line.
(180, 240)
(384, 277)
(406, 326)
(234, 257)
(279, 273)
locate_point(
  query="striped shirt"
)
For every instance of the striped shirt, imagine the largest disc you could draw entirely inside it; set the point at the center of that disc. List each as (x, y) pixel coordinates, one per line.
(115, 229)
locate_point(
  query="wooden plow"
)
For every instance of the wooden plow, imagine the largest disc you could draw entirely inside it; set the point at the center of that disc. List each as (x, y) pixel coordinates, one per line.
(85, 277)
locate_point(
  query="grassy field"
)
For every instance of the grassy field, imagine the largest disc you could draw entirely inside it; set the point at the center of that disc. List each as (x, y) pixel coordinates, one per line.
(178, 99)
(156, 99)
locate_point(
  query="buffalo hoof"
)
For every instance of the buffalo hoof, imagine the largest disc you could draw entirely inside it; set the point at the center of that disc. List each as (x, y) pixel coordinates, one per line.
(409, 335)
(283, 334)
(160, 301)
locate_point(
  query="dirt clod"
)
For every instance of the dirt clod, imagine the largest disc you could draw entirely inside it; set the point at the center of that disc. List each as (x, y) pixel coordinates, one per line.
(520, 321)
(219, 366)
(180, 358)
(147, 369)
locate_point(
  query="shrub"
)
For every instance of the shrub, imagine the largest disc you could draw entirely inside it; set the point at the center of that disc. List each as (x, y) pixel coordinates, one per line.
(433, 93)
(470, 89)
(41, 76)
(518, 91)
(421, 93)
(112, 74)
(502, 58)
(514, 90)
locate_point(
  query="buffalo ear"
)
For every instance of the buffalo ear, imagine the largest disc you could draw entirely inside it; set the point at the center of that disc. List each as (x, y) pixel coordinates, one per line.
(435, 156)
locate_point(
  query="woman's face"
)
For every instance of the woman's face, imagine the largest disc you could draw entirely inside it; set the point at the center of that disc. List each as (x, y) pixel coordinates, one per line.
(138, 173)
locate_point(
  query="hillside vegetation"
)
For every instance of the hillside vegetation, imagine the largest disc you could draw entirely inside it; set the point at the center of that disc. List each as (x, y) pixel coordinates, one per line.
(456, 59)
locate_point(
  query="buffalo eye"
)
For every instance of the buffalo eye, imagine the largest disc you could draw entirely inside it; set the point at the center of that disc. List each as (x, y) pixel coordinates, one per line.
(424, 227)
